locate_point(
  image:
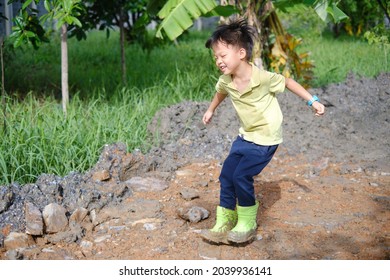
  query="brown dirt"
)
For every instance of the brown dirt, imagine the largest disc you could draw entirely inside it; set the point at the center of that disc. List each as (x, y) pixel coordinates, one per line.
(335, 215)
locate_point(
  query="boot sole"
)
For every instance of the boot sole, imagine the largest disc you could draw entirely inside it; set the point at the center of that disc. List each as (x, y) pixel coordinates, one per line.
(241, 237)
(221, 239)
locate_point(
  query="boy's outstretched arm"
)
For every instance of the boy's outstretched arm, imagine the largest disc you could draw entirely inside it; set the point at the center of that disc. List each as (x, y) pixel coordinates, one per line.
(299, 90)
(218, 98)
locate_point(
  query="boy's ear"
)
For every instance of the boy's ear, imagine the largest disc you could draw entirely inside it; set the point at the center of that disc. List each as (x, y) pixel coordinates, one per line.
(242, 53)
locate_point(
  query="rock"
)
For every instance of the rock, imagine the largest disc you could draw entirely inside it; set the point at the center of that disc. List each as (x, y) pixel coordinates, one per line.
(78, 216)
(189, 194)
(16, 240)
(6, 198)
(80, 219)
(150, 226)
(140, 184)
(34, 221)
(143, 209)
(14, 255)
(102, 238)
(202, 184)
(69, 236)
(85, 244)
(55, 219)
(320, 165)
(47, 189)
(193, 214)
(102, 175)
(184, 172)
(132, 165)
(94, 218)
(148, 223)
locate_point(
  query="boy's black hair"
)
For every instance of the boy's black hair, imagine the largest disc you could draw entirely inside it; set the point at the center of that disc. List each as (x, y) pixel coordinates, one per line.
(236, 33)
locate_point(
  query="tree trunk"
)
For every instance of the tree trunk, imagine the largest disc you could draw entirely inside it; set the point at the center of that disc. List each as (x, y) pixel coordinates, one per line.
(3, 101)
(64, 68)
(122, 43)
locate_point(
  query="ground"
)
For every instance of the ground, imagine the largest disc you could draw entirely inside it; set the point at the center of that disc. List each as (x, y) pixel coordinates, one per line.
(325, 194)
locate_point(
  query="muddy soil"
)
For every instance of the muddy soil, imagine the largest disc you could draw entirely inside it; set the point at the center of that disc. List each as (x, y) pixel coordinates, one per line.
(325, 194)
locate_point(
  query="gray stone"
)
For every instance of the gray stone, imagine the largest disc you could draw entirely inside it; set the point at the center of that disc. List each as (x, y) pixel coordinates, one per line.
(16, 240)
(34, 221)
(14, 255)
(193, 214)
(55, 219)
(78, 216)
(69, 236)
(6, 198)
(189, 194)
(86, 244)
(140, 184)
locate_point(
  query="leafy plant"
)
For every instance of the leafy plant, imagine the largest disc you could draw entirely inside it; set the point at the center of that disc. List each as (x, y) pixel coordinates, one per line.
(27, 30)
(362, 16)
(178, 15)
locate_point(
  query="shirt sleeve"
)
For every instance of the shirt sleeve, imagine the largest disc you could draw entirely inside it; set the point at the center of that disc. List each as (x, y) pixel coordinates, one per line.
(277, 82)
(219, 87)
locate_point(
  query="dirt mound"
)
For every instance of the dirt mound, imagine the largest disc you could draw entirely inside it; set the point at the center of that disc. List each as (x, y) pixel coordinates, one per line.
(356, 126)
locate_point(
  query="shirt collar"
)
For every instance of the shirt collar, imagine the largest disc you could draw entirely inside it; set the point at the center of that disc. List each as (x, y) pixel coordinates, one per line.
(255, 78)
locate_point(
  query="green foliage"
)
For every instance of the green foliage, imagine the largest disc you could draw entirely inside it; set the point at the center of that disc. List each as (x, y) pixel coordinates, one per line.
(378, 35)
(178, 15)
(27, 30)
(63, 12)
(302, 21)
(28, 27)
(363, 15)
(107, 15)
(328, 11)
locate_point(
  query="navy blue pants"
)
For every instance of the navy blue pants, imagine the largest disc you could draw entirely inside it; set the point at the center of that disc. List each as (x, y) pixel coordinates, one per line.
(244, 161)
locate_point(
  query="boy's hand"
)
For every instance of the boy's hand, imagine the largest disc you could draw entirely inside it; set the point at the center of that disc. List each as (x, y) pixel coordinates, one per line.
(319, 108)
(207, 117)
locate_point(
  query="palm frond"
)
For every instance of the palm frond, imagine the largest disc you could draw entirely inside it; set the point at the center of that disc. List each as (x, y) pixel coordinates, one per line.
(179, 15)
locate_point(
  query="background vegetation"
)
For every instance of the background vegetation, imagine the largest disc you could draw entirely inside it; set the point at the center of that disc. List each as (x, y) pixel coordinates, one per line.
(38, 139)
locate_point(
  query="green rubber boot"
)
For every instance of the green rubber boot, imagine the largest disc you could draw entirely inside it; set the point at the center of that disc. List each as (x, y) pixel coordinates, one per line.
(226, 219)
(245, 229)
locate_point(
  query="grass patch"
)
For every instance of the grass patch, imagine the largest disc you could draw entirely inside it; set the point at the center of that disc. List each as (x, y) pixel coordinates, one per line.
(38, 139)
(335, 58)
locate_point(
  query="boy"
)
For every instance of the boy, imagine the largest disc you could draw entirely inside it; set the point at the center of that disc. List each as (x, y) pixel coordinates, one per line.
(253, 94)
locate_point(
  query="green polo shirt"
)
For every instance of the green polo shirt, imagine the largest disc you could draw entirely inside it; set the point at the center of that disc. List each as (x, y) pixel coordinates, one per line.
(257, 107)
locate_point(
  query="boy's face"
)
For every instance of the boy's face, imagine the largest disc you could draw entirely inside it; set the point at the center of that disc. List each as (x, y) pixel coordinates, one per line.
(228, 57)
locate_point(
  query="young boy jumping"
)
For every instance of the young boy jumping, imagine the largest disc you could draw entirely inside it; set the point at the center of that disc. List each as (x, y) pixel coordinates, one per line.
(253, 94)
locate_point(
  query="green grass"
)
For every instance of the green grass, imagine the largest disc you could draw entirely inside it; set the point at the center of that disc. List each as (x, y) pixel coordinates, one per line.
(94, 65)
(38, 139)
(335, 58)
